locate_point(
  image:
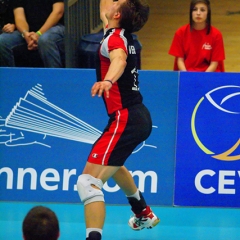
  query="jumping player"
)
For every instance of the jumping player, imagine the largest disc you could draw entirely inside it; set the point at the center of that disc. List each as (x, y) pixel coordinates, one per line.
(129, 120)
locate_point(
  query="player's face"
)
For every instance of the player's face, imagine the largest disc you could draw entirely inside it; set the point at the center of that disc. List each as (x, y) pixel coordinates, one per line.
(199, 13)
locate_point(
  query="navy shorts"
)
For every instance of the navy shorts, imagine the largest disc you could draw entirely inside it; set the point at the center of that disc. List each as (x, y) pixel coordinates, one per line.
(126, 129)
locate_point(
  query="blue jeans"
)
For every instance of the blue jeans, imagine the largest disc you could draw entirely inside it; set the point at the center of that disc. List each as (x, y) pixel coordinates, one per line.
(50, 47)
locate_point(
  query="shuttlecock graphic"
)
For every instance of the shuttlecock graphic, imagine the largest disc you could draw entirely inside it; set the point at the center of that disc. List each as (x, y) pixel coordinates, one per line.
(34, 113)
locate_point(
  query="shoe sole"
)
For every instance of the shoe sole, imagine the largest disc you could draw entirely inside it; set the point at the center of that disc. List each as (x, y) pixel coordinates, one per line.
(150, 227)
(156, 222)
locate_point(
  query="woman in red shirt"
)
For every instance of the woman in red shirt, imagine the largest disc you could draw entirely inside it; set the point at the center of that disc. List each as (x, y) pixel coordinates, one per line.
(198, 46)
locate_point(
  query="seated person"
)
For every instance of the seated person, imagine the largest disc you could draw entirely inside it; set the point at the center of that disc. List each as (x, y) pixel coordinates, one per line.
(40, 26)
(198, 46)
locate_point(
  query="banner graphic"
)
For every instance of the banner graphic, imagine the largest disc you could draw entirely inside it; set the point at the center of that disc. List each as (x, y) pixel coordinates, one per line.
(208, 140)
(49, 121)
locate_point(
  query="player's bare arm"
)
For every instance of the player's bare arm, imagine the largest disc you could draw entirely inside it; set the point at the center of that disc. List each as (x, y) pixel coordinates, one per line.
(104, 5)
(118, 63)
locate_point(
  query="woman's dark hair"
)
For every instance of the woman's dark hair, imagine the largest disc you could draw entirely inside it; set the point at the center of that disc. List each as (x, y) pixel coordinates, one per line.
(192, 6)
(134, 14)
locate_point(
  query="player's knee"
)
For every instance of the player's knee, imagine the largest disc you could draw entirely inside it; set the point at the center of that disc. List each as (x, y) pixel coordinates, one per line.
(89, 189)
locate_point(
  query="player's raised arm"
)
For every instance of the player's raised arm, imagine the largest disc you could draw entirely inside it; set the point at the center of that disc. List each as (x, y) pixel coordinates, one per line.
(104, 5)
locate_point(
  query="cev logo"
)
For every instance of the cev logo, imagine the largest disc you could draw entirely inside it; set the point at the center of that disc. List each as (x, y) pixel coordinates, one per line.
(231, 95)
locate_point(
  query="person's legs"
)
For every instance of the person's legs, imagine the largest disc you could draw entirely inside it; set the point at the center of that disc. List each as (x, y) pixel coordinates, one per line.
(89, 188)
(125, 181)
(143, 215)
(106, 160)
(50, 46)
(7, 42)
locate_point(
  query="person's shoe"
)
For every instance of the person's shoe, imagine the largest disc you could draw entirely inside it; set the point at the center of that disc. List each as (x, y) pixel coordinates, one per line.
(146, 219)
(94, 235)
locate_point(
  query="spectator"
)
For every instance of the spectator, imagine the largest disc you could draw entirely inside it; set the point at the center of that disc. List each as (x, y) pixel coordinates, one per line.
(40, 27)
(7, 23)
(198, 46)
(40, 223)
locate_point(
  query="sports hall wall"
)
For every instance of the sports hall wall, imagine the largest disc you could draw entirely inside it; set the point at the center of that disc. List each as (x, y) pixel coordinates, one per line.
(49, 122)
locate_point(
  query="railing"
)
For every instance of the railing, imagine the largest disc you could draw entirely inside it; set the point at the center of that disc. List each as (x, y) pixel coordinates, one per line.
(81, 17)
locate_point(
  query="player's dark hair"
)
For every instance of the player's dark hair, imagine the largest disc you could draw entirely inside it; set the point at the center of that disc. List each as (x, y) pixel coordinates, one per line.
(40, 223)
(192, 6)
(134, 14)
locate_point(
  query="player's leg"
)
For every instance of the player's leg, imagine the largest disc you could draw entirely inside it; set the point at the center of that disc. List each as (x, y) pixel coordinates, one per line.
(125, 181)
(143, 215)
(89, 187)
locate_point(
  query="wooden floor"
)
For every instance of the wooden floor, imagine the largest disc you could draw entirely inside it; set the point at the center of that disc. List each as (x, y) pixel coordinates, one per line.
(168, 15)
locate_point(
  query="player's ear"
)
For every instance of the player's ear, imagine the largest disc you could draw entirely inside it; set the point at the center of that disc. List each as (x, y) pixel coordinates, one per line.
(117, 15)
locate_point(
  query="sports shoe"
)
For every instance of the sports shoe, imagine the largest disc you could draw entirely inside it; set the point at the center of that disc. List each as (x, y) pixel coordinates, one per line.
(146, 219)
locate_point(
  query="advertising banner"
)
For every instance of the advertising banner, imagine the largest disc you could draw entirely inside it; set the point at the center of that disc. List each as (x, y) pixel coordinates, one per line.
(49, 121)
(208, 139)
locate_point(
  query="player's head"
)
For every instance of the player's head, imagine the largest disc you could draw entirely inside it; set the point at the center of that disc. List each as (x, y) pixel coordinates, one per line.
(40, 223)
(134, 15)
(192, 8)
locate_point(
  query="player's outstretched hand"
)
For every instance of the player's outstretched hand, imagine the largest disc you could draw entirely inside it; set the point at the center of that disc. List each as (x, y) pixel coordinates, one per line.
(100, 87)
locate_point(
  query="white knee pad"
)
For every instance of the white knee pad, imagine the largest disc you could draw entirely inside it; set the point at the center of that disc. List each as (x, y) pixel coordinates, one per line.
(87, 192)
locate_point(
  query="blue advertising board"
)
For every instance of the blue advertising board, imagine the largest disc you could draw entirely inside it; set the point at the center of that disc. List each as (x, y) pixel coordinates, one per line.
(49, 121)
(208, 139)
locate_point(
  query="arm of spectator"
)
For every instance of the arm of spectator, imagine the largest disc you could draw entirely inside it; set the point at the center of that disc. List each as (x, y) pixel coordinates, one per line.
(54, 17)
(104, 5)
(52, 20)
(212, 67)
(23, 27)
(181, 64)
(21, 22)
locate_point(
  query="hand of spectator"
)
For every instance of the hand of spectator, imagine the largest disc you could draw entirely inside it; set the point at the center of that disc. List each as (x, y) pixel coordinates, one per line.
(34, 36)
(8, 28)
(32, 41)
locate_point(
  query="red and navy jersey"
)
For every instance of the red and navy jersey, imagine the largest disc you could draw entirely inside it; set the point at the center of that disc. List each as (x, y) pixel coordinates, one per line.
(124, 92)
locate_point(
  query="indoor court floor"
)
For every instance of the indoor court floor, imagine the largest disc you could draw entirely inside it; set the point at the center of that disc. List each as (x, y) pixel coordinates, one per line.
(177, 223)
